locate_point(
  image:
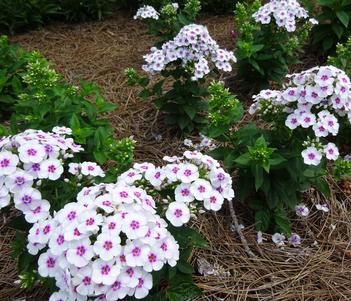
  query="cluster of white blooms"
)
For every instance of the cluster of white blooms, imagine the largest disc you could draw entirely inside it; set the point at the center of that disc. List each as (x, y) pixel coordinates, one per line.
(313, 99)
(285, 13)
(197, 180)
(27, 159)
(86, 168)
(206, 143)
(105, 245)
(193, 47)
(279, 239)
(147, 12)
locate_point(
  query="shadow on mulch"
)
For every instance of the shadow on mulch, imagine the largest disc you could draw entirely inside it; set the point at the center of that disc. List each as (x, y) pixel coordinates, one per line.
(318, 270)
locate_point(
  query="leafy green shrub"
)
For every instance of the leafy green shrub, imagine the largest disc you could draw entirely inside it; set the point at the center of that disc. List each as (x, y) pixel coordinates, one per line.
(334, 24)
(265, 50)
(33, 95)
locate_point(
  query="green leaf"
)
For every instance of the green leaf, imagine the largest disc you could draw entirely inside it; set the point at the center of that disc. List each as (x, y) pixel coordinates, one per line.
(325, 2)
(338, 29)
(343, 17)
(244, 159)
(74, 122)
(276, 159)
(259, 177)
(328, 43)
(190, 111)
(263, 219)
(183, 291)
(185, 267)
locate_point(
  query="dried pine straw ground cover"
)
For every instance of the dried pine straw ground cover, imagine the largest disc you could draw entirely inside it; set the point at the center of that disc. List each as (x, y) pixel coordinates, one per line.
(318, 270)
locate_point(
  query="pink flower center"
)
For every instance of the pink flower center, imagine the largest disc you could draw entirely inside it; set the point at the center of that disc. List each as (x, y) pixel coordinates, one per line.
(157, 175)
(36, 167)
(130, 272)
(135, 225)
(71, 215)
(26, 199)
(31, 152)
(91, 168)
(178, 213)
(112, 226)
(201, 189)
(90, 221)
(50, 263)
(51, 168)
(141, 283)
(136, 251)
(311, 156)
(164, 246)
(185, 192)
(20, 181)
(5, 163)
(46, 229)
(187, 173)
(108, 245)
(213, 200)
(123, 194)
(86, 280)
(152, 257)
(81, 250)
(60, 239)
(105, 270)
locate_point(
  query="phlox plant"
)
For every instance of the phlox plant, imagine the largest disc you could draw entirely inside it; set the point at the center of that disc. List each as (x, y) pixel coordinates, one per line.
(269, 39)
(33, 95)
(270, 173)
(38, 174)
(184, 61)
(129, 238)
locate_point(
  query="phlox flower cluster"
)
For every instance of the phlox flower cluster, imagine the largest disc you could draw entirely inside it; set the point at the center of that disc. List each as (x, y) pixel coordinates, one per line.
(27, 159)
(147, 12)
(197, 182)
(205, 143)
(104, 246)
(193, 47)
(284, 12)
(91, 169)
(314, 100)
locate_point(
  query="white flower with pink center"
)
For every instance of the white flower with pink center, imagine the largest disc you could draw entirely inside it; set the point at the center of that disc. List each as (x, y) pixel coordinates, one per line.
(8, 163)
(170, 171)
(34, 248)
(311, 156)
(117, 291)
(307, 119)
(155, 176)
(214, 202)
(89, 221)
(320, 129)
(292, 121)
(201, 189)
(178, 214)
(188, 173)
(107, 246)
(57, 242)
(33, 169)
(69, 213)
(112, 225)
(122, 194)
(18, 181)
(105, 272)
(169, 249)
(27, 199)
(91, 169)
(47, 264)
(105, 202)
(134, 253)
(324, 77)
(74, 168)
(79, 252)
(183, 194)
(143, 167)
(130, 276)
(39, 212)
(219, 177)
(130, 176)
(62, 130)
(31, 153)
(144, 286)
(135, 226)
(83, 282)
(50, 169)
(331, 151)
(153, 261)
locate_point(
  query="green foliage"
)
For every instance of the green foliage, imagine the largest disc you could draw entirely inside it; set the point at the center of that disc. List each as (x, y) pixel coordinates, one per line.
(223, 110)
(342, 168)
(342, 58)
(265, 52)
(334, 24)
(33, 95)
(19, 15)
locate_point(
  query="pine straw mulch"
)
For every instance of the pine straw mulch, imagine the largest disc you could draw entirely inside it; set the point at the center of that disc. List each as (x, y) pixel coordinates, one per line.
(319, 270)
